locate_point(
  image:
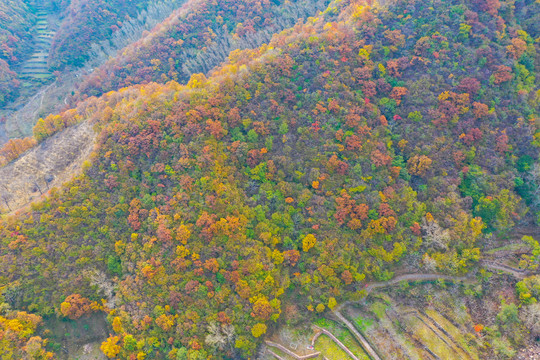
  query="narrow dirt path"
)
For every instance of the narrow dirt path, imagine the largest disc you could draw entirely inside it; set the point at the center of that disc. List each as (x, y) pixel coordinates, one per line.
(367, 347)
(275, 355)
(411, 277)
(338, 342)
(517, 273)
(290, 353)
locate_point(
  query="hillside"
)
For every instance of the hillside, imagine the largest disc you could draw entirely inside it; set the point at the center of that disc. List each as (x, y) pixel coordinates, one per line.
(195, 38)
(292, 181)
(46, 72)
(16, 20)
(45, 166)
(87, 22)
(183, 35)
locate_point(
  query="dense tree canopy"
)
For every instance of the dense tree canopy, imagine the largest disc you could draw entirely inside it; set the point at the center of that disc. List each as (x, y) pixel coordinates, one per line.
(353, 143)
(87, 22)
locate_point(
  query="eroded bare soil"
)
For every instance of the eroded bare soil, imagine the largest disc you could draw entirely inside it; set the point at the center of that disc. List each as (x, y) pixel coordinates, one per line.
(48, 165)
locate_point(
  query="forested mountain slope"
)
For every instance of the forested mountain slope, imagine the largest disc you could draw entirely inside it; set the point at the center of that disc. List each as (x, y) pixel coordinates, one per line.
(87, 22)
(196, 38)
(355, 144)
(199, 35)
(67, 39)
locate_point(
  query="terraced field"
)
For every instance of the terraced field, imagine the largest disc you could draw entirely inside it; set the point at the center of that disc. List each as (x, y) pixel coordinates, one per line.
(345, 339)
(330, 349)
(36, 66)
(36, 79)
(409, 333)
(438, 343)
(388, 331)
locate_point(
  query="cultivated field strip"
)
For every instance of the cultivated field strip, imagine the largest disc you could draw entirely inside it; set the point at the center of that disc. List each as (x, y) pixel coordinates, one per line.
(36, 66)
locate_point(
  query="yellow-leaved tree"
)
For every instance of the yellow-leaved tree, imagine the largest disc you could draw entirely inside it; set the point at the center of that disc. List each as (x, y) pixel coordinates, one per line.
(308, 242)
(110, 346)
(258, 330)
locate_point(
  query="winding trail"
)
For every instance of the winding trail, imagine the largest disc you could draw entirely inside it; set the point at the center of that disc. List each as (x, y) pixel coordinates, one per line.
(290, 353)
(339, 343)
(405, 277)
(517, 273)
(414, 277)
(367, 347)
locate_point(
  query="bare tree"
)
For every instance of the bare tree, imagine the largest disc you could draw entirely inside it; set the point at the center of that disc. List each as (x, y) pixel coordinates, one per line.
(228, 331)
(131, 31)
(5, 196)
(219, 336)
(434, 235)
(530, 316)
(215, 337)
(106, 286)
(32, 180)
(429, 263)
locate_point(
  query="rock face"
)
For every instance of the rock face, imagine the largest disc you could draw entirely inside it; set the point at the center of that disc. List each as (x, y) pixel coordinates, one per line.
(50, 164)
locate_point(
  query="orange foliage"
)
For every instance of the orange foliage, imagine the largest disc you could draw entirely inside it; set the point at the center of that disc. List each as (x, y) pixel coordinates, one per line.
(75, 306)
(397, 93)
(480, 110)
(502, 74)
(14, 148)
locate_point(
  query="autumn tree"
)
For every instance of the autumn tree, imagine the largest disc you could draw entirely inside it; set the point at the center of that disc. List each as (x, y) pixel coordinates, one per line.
(258, 330)
(308, 242)
(419, 165)
(110, 347)
(75, 306)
